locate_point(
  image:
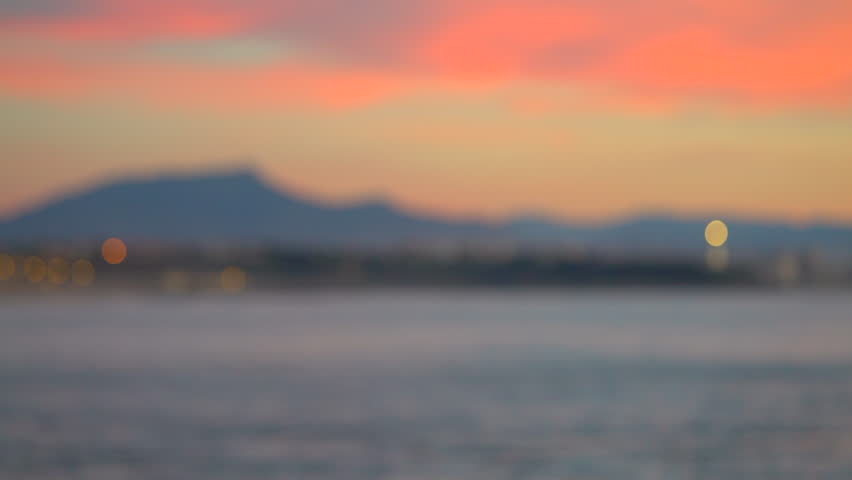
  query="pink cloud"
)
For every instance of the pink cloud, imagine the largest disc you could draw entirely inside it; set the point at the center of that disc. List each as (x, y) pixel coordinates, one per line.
(502, 39)
(759, 52)
(126, 20)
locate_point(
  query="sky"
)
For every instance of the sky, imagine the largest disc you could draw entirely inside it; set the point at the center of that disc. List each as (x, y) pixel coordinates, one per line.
(578, 109)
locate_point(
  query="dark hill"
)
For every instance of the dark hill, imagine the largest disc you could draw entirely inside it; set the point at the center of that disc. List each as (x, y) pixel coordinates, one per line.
(239, 207)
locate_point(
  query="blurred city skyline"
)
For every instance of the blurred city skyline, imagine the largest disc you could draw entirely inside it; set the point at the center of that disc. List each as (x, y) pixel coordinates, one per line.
(578, 110)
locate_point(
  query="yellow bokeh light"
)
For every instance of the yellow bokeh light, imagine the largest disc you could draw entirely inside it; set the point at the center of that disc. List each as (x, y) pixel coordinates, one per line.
(176, 281)
(233, 279)
(7, 267)
(58, 270)
(114, 251)
(716, 233)
(82, 273)
(35, 269)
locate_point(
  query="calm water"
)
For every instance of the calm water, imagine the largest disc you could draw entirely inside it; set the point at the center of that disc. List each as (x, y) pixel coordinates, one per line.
(428, 386)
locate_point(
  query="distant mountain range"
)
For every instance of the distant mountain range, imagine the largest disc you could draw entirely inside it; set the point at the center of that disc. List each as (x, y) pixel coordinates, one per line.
(240, 207)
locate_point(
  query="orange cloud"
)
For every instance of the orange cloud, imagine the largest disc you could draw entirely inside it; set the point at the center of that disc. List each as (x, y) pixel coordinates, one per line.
(503, 39)
(753, 52)
(261, 87)
(662, 52)
(697, 61)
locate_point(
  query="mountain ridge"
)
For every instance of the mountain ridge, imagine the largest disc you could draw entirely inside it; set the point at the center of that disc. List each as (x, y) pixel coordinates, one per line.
(237, 205)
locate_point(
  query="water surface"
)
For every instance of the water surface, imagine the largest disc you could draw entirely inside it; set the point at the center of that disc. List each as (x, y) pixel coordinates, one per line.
(428, 385)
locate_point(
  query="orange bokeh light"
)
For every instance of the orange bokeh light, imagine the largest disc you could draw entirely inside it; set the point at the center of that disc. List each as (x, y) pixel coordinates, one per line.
(233, 279)
(35, 269)
(58, 271)
(114, 251)
(82, 273)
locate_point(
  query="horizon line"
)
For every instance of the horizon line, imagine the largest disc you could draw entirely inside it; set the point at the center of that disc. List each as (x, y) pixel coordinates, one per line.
(247, 169)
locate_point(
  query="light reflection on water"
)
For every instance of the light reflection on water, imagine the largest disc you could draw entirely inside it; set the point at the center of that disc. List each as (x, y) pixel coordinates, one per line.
(586, 385)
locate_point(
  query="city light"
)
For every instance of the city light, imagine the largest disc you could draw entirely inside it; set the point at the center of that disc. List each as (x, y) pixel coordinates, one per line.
(58, 270)
(82, 273)
(35, 269)
(114, 251)
(233, 279)
(716, 233)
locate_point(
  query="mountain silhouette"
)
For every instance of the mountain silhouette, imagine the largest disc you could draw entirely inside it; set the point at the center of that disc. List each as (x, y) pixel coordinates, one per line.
(239, 207)
(232, 206)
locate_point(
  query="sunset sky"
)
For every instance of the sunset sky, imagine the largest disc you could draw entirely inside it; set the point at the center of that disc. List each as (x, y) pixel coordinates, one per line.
(579, 109)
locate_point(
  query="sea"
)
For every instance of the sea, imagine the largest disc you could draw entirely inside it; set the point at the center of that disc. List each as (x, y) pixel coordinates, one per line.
(428, 385)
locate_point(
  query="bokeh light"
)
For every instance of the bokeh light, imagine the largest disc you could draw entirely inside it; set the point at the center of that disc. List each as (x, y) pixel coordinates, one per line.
(58, 270)
(35, 269)
(233, 279)
(82, 273)
(716, 233)
(114, 251)
(7, 267)
(176, 281)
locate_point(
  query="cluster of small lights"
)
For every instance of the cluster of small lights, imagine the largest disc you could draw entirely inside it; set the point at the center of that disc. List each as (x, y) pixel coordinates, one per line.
(81, 272)
(233, 279)
(55, 271)
(59, 270)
